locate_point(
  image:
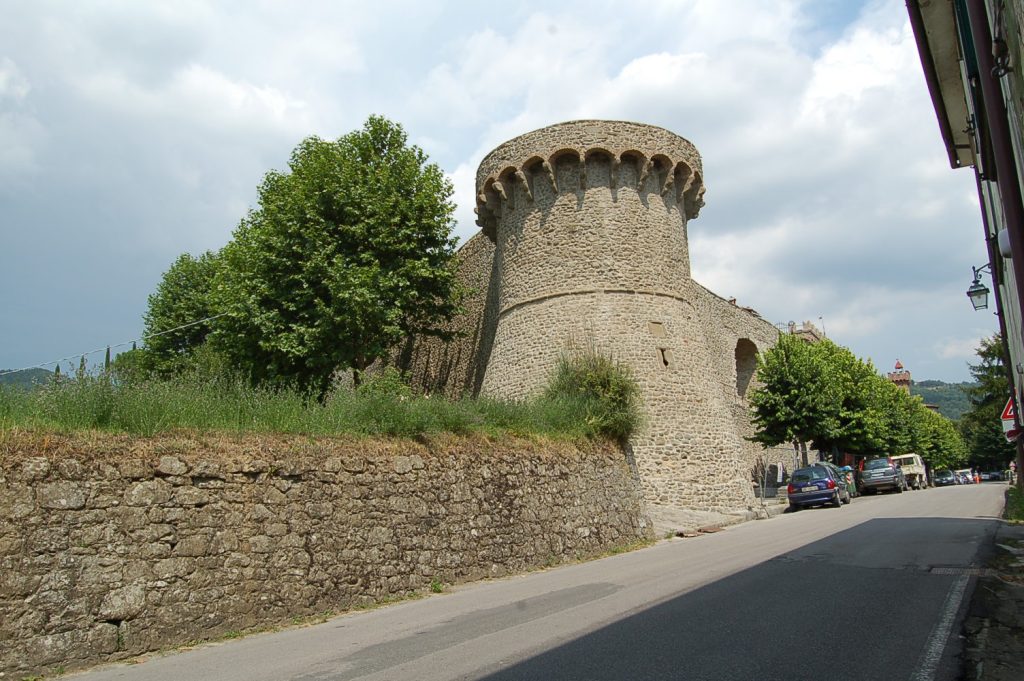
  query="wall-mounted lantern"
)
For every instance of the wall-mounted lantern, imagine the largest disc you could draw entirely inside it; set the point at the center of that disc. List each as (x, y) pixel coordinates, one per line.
(978, 292)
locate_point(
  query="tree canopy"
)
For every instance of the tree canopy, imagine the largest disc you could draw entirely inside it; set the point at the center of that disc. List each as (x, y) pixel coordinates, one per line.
(347, 252)
(981, 425)
(823, 394)
(181, 298)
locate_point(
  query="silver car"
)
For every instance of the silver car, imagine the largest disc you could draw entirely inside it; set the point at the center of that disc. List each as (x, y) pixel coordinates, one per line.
(881, 474)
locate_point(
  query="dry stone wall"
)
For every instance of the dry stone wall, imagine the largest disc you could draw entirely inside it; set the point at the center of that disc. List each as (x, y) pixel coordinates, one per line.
(113, 547)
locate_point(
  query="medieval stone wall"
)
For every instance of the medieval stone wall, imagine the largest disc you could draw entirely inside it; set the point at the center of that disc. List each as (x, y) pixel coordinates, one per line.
(588, 224)
(112, 547)
(456, 368)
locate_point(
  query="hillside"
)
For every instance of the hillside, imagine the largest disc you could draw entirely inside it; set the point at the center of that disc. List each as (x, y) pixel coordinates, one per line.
(950, 398)
(25, 379)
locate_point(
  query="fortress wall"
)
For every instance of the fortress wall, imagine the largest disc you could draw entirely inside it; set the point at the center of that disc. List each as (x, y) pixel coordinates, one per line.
(732, 331)
(114, 546)
(590, 253)
(588, 221)
(456, 368)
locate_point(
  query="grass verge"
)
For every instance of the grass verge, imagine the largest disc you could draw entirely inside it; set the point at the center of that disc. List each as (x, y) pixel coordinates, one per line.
(1014, 510)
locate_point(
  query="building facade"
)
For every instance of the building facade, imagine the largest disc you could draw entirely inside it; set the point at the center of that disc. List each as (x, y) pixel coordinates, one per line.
(972, 54)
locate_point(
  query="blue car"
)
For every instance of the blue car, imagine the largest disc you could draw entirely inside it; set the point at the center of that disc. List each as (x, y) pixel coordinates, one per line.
(815, 486)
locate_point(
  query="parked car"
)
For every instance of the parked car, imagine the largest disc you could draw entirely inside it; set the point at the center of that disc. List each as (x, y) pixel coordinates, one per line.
(881, 474)
(964, 476)
(944, 479)
(991, 475)
(817, 485)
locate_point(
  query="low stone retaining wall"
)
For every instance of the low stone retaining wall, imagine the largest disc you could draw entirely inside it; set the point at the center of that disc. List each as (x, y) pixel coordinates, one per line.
(113, 546)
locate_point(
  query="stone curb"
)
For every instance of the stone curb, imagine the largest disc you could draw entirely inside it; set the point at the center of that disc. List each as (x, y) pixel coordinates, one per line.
(994, 627)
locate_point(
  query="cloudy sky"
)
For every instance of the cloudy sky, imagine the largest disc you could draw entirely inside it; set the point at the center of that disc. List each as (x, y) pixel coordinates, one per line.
(131, 132)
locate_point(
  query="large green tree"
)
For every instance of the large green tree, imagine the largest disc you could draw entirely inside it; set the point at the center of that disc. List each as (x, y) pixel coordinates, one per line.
(981, 425)
(824, 395)
(182, 298)
(857, 405)
(347, 253)
(795, 401)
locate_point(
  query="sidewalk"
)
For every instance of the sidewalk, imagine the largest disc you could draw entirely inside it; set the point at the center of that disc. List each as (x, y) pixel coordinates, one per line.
(669, 521)
(994, 628)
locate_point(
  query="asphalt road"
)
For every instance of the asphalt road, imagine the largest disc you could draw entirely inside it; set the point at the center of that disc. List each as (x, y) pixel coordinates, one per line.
(873, 590)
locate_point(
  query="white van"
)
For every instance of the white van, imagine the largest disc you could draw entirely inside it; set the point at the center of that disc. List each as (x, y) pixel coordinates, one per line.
(913, 470)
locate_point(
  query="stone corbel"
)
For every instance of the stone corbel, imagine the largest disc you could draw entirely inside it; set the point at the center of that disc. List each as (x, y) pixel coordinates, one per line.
(499, 189)
(550, 172)
(683, 186)
(670, 182)
(644, 174)
(521, 176)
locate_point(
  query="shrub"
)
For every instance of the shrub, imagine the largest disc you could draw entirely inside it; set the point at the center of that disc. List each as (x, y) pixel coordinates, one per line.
(597, 389)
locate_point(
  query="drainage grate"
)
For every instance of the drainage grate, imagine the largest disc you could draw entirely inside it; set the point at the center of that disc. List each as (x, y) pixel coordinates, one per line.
(970, 571)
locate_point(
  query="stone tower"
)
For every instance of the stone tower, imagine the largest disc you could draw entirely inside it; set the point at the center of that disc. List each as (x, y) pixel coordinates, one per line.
(588, 221)
(901, 377)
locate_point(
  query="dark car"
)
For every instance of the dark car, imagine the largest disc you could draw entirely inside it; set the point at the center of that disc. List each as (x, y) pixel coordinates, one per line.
(881, 474)
(944, 479)
(816, 485)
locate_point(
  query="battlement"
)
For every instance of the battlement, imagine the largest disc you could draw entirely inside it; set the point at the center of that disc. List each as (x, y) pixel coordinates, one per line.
(580, 155)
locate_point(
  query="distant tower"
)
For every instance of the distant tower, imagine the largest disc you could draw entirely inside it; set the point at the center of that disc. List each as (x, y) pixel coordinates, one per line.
(900, 376)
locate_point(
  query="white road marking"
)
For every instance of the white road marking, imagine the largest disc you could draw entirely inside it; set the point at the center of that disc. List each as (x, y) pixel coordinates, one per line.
(932, 654)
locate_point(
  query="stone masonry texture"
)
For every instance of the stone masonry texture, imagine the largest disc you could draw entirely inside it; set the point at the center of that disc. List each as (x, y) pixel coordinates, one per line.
(112, 547)
(583, 246)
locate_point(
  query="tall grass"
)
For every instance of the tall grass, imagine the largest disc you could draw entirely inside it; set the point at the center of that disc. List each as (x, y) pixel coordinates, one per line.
(587, 400)
(154, 406)
(1014, 505)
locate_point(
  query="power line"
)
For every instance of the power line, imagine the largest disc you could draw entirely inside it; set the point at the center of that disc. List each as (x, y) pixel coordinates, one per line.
(93, 352)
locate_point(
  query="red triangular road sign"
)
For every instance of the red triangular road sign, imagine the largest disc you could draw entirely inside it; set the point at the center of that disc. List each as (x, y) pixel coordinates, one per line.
(1008, 411)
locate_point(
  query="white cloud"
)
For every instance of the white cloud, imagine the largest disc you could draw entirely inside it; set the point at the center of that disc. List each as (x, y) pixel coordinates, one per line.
(828, 191)
(14, 87)
(20, 131)
(202, 97)
(961, 348)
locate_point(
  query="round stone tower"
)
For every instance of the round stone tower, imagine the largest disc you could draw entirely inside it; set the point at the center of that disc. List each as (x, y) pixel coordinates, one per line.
(589, 220)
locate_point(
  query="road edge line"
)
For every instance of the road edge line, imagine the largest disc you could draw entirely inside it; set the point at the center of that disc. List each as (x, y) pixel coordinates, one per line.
(936, 645)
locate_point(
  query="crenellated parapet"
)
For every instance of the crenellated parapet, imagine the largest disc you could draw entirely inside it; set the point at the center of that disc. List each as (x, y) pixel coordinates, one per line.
(579, 156)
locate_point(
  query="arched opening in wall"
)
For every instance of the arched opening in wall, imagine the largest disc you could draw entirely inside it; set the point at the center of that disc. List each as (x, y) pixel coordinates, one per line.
(597, 168)
(660, 172)
(629, 169)
(746, 364)
(568, 167)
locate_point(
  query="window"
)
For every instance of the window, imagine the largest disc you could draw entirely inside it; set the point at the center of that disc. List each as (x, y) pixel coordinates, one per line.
(746, 364)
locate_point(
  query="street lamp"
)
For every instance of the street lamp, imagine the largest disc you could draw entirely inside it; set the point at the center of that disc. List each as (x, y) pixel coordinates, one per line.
(978, 292)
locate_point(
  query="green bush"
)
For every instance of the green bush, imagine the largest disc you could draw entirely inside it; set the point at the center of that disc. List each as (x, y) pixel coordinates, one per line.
(598, 390)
